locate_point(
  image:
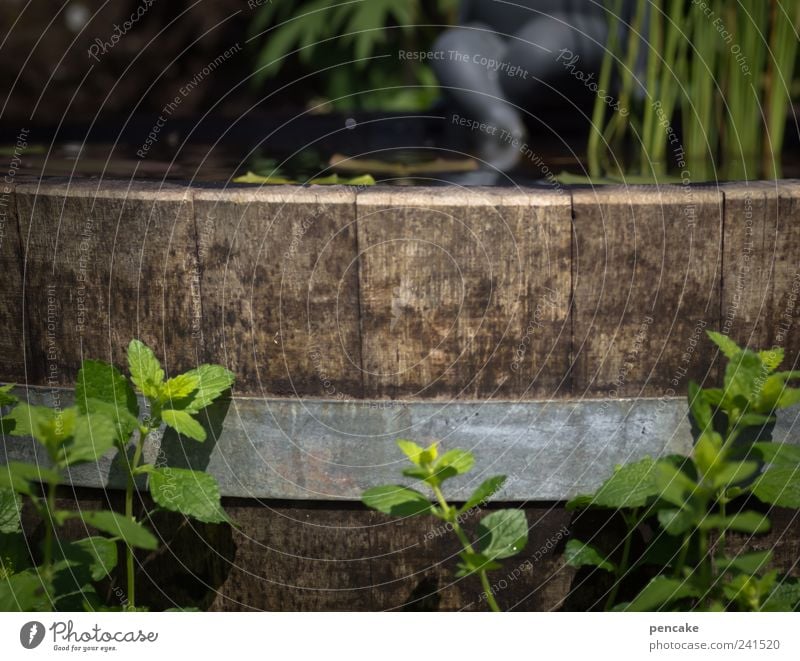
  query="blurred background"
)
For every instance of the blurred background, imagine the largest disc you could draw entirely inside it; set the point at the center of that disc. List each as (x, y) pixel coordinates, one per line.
(211, 89)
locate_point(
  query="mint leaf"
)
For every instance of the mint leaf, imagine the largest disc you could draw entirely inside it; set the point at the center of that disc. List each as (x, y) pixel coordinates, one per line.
(192, 493)
(180, 386)
(24, 592)
(502, 534)
(743, 377)
(749, 563)
(485, 490)
(475, 562)
(631, 485)
(146, 372)
(69, 438)
(396, 500)
(100, 381)
(411, 450)
(776, 394)
(784, 597)
(102, 388)
(6, 398)
(673, 484)
(581, 554)
(10, 508)
(779, 454)
(122, 419)
(17, 476)
(132, 533)
(184, 424)
(213, 380)
(453, 462)
(676, 521)
(780, 486)
(734, 472)
(97, 554)
(749, 522)
(46, 425)
(728, 347)
(93, 435)
(662, 591)
(699, 406)
(771, 358)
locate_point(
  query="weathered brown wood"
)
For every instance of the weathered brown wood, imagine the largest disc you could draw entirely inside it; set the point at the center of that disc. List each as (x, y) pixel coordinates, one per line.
(13, 335)
(646, 271)
(323, 556)
(309, 557)
(280, 288)
(464, 293)
(103, 264)
(761, 283)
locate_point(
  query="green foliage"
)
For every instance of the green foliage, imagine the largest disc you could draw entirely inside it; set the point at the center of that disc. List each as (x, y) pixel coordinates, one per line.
(10, 511)
(97, 554)
(730, 112)
(359, 42)
(106, 415)
(501, 534)
(580, 554)
(631, 485)
(395, 500)
(132, 533)
(63, 580)
(691, 498)
(193, 493)
(183, 423)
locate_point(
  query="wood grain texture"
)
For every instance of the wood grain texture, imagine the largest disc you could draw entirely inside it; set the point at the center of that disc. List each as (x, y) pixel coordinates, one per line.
(464, 293)
(646, 272)
(310, 557)
(761, 282)
(280, 288)
(323, 556)
(104, 264)
(13, 334)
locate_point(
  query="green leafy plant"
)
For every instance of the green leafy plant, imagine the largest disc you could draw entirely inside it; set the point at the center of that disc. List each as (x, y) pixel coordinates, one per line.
(501, 534)
(363, 37)
(696, 502)
(717, 90)
(65, 577)
(107, 415)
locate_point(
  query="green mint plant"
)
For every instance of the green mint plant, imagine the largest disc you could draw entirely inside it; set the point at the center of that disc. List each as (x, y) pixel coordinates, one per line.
(501, 534)
(107, 415)
(694, 502)
(65, 577)
(173, 402)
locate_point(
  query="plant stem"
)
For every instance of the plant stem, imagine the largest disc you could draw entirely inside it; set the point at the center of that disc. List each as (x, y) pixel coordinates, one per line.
(674, 55)
(705, 561)
(618, 126)
(653, 92)
(594, 147)
(687, 538)
(49, 530)
(450, 515)
(783, 46)
(622, 568)
(129, 489)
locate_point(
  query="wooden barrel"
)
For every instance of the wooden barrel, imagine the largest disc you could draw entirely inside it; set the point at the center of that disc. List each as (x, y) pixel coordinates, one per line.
(551, 331)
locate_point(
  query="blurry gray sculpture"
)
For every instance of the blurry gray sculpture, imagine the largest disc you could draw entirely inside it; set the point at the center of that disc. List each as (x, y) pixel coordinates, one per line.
(504, 57)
